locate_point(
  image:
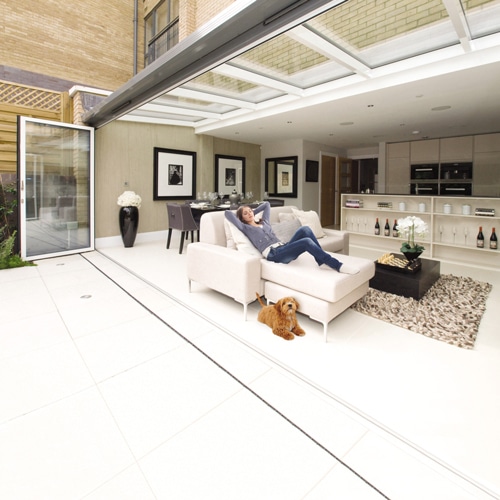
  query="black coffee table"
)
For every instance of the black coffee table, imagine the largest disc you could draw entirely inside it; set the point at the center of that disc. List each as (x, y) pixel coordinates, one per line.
(406, 284)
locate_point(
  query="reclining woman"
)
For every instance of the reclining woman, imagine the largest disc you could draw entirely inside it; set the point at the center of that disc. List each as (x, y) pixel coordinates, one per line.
(263, 238)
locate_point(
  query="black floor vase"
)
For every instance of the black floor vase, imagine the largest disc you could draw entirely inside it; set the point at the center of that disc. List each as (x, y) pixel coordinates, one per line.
(129, 222)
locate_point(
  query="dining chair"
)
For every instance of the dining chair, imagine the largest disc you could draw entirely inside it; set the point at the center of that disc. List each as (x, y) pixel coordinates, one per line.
(181, 218)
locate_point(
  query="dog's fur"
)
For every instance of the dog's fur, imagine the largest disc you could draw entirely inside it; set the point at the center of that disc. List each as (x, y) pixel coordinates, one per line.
(281, 317)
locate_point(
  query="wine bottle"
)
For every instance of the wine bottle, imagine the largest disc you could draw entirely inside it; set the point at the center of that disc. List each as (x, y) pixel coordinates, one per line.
(493, 240)
(387, 228)
(377, 227)
(480, 238)
(395, 231)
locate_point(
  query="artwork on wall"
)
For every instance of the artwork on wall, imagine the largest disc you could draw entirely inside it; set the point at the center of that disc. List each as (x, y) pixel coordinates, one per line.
(312, 168)
(281, 176)
(229, 174)
(174, 174)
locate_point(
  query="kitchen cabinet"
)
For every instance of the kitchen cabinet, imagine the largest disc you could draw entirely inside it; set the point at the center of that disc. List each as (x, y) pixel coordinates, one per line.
(426, 151)
(456, 149)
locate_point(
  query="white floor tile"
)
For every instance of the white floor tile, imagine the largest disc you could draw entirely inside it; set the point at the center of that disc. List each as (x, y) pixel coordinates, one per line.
(128, 485)
(119, 348)
(241, 449)
(61, 451)
(38, 378)
(155, 400)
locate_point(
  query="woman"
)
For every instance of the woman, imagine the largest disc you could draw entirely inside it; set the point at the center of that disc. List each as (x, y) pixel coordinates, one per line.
(263, 238)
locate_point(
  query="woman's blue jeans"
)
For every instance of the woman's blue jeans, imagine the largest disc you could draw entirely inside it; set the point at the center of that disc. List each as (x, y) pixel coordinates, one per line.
(303, 241)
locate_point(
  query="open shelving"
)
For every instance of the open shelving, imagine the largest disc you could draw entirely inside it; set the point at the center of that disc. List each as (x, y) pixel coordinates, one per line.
(451, 237)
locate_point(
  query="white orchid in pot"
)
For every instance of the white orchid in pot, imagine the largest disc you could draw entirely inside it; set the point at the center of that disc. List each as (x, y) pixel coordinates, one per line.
(128, 217)
(408, 228)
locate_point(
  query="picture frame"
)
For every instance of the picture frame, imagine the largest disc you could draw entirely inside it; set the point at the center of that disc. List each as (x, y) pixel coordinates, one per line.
(312, 168)
(229, 174)
(174, 175)
(281, 177)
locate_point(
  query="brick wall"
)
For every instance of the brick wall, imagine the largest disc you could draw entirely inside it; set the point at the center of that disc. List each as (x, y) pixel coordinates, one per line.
(88, 42)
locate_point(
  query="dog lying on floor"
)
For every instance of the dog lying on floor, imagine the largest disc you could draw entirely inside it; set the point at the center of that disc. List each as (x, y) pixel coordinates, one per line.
(281, 317)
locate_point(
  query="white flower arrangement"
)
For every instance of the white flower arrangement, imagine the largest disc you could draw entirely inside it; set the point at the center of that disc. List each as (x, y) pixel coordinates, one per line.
(408, 228)
(129, 199)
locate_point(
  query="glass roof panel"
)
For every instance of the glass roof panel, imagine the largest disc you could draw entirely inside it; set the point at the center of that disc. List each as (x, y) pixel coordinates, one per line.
(194, 104)
(287, 60)
(222, 85)
(483, 16)
(373, 32)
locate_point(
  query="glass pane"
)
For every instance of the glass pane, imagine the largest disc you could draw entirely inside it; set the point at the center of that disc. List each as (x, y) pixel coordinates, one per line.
(57, 189)
(161, 17)
(372, 32)
(174, 10)
(483, 16)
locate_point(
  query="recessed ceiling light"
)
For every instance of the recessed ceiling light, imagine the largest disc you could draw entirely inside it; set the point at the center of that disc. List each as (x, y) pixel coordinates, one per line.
(289, 121)
(402, 124)
(370, 105)
(440, 108)
(415, 132)
(347, 123)
(419, 95)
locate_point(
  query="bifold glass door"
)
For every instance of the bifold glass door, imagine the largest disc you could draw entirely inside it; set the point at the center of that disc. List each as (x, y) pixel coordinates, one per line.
(56, 189)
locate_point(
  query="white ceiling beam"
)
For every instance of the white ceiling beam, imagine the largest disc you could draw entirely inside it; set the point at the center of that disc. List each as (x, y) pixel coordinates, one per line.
(251, 77)
(173, 110)
(457, 18)
(305, 36)
(208, 97)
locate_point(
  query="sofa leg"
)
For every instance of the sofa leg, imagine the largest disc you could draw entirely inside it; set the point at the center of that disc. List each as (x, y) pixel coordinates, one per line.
(325, 331)
(245, 310)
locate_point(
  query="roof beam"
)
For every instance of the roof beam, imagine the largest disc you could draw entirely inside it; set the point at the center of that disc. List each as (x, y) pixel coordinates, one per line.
(243, 25)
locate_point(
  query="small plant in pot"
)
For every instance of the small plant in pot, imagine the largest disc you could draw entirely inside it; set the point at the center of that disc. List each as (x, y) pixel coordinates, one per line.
(408, 228)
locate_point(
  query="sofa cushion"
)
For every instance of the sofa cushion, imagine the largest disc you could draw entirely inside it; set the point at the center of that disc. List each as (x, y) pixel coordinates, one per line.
(310, 219)
(286, 229)
(321, 281)
(240, 241)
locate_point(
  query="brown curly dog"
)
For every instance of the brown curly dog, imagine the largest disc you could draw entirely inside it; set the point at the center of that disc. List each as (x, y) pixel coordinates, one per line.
(281, 318)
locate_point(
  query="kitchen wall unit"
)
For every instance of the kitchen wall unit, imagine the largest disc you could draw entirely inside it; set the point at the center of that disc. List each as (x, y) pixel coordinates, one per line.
(451, 237)
(483, 151)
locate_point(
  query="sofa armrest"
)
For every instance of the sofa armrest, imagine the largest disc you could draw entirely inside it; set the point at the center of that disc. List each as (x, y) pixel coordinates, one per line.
(231, 272)
(335, 241)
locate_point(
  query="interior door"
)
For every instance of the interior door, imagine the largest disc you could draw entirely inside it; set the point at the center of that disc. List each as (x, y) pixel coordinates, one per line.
(56, 190)
(329, 189)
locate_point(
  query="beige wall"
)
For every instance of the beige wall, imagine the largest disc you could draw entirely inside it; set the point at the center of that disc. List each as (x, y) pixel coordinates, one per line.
(124, 154)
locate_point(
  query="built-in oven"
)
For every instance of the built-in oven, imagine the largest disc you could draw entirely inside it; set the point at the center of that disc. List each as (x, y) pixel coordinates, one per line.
(424, 188)
(454, 171)
(456, 189)
(427, 171)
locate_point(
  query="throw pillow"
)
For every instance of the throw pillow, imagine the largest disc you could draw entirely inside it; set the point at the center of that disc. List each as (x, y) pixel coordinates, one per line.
(286, 229)
(241, 242)
(229, 235)
(310, 219)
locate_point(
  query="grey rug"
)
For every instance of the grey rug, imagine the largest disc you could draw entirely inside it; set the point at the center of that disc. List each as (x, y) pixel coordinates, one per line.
(450, 311)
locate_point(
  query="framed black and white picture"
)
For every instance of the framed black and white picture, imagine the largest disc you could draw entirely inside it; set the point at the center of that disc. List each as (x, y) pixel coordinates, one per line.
(229, 174)
(174, 174)
(312, 168)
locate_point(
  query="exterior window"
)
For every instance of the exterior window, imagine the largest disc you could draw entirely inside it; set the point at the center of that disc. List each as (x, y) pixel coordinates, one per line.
(162, 29)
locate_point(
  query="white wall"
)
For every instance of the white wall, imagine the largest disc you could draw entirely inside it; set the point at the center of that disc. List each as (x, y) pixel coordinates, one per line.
(307, 192)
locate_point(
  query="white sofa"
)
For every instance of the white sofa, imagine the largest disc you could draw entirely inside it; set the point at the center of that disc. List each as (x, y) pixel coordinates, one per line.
(321, 292)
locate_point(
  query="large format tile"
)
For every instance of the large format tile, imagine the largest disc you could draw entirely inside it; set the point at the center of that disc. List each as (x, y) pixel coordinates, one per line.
(119, 348)
(38, 378)
(241, 449)
(63, 450)
(157, 399)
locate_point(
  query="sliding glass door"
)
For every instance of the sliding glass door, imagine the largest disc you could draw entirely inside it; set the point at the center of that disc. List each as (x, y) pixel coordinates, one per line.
(56, 167)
